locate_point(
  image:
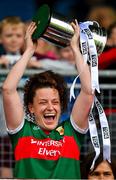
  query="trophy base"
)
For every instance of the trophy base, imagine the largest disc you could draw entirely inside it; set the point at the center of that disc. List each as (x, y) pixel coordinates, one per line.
(42, 19)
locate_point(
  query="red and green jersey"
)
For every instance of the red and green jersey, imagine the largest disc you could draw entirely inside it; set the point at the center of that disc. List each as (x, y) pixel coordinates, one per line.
(42, 156)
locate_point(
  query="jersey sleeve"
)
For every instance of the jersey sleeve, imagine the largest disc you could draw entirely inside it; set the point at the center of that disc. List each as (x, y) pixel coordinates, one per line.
(78, 129)
(14, 131)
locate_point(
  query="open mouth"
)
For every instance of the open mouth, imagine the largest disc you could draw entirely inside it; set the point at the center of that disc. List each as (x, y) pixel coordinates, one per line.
(49, 117)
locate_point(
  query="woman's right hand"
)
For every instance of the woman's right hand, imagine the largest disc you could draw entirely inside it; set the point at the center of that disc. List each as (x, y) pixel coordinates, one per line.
(30, 45)
(76, 37)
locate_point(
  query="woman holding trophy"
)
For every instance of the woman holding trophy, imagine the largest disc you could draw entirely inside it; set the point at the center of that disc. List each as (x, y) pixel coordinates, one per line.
(43, 148)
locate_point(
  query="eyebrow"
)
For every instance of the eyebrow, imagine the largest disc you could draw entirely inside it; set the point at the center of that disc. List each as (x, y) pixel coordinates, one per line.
(97, 172)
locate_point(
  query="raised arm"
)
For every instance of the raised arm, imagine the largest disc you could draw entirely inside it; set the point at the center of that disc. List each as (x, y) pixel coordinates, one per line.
(13, 106)
(84, 100)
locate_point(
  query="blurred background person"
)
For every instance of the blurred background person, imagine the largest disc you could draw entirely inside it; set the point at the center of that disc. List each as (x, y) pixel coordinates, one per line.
(45, 50)
(107, 59)
(111, 42)
(48, 56)
(103, 170)
(105, 15)
(66, 54)
(12, 31)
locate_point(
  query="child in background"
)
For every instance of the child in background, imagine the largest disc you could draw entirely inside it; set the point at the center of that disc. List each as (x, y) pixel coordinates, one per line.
(50, 57)
(12, 31)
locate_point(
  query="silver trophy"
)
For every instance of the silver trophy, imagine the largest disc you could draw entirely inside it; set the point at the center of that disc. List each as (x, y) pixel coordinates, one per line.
(58, 30)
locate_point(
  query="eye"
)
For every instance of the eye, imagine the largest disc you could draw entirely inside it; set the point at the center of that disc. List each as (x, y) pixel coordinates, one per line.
(42, 102)
(8, 35)
(19, 35)
(107, 173)
(56, 102)
(94, 174)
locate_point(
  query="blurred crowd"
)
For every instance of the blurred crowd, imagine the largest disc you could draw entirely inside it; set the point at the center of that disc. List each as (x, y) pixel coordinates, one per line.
(49, 56)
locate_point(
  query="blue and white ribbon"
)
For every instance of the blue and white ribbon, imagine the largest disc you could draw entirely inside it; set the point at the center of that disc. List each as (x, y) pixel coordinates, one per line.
(89, 52)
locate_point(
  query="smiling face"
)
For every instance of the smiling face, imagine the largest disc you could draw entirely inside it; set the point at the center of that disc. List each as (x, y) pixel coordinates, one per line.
(46, 108)
(102, 172)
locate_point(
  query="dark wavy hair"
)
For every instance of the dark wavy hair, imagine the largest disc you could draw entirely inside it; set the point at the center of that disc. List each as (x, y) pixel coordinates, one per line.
(87, 162)
(44, 80)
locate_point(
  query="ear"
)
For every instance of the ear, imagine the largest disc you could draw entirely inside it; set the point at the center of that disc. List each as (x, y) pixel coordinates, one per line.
(30, 106)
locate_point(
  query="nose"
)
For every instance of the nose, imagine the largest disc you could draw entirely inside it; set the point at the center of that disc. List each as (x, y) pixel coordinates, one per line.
(14, 39)
(102, 177)
(50, 106)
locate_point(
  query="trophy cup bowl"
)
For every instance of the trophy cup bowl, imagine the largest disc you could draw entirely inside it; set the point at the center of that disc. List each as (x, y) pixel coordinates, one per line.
(57, 29)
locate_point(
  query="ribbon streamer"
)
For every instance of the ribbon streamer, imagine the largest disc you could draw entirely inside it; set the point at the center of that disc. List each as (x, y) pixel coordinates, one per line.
(89, 53)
